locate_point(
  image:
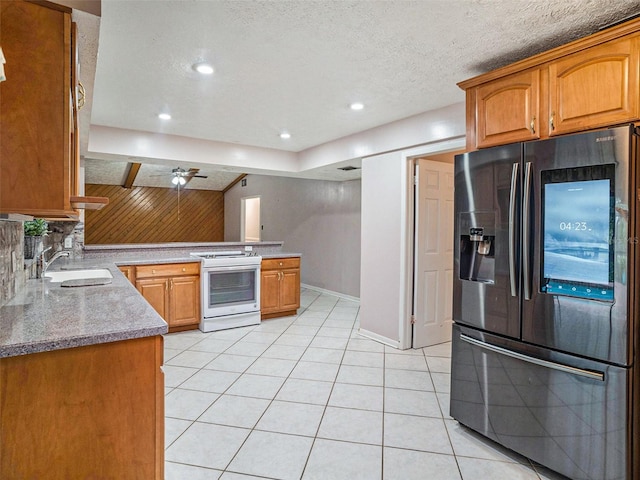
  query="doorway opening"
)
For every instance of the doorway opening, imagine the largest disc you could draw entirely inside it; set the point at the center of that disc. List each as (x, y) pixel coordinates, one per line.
(250, 226)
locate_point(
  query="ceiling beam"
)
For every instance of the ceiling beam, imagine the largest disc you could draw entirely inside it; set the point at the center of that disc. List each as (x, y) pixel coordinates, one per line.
(133, 168)
(234, 182)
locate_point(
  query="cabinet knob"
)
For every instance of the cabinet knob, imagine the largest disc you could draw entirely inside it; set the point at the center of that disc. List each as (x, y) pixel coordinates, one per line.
(153, 271)
(533, 125)
(551, 124)
(280, 263)
(184, 269)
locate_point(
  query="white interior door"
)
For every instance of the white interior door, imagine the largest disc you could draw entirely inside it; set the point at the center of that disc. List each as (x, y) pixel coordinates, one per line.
(433, 253)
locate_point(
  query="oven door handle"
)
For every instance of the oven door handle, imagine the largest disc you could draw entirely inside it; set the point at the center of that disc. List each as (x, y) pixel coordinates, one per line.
(232, 268)
(536, 361)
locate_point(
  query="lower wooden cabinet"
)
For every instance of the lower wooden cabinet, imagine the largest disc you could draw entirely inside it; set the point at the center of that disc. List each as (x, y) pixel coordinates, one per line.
(173, 290)
(279, 287)
(95, 411)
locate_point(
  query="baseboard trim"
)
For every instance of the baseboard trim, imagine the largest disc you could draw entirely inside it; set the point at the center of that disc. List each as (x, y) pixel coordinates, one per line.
(330, 292)
(379, 338)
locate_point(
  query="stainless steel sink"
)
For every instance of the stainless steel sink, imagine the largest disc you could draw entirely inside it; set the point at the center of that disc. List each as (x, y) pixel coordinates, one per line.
(61, 276)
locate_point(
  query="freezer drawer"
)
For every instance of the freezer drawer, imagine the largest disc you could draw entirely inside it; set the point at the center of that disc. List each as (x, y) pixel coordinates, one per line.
(566, 413)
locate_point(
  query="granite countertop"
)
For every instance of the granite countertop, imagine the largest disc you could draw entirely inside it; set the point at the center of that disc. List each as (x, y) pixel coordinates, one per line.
(45, 316)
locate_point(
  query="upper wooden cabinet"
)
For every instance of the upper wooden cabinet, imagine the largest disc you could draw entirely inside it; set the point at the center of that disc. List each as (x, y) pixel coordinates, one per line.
(594, 88)
(39, 158)
(508, 110)
(586, 84)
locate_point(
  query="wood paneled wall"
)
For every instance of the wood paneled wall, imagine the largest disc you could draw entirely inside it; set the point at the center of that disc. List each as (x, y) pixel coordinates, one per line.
(150, 215)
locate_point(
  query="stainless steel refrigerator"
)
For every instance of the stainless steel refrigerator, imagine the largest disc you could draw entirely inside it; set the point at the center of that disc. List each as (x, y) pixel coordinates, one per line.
(545, 338)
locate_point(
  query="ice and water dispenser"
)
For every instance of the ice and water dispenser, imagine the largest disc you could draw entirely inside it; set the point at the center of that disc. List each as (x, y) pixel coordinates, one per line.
(477, 246)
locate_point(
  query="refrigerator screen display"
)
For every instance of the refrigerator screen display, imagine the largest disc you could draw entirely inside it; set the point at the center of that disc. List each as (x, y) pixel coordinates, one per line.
(578, 215)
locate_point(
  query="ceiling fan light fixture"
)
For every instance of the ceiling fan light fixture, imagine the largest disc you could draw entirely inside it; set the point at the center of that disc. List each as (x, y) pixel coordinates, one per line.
(203, 68)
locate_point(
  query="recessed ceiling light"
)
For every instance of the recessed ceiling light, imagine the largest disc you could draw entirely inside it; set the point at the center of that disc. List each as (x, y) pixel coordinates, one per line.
(356, 106)
(203, 68)
(164, 116)
(285, 135)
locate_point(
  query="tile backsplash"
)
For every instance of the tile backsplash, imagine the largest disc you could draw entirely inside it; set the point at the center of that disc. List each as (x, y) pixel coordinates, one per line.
(12, 272)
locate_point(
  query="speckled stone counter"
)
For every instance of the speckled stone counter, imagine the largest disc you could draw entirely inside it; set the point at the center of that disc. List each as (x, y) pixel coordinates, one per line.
(45, 316)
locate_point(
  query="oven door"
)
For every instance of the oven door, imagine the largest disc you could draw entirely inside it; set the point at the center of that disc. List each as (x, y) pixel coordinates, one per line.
(230, 290)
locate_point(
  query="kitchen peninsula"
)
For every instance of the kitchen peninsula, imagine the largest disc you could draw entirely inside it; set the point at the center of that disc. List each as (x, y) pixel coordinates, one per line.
(81, 386)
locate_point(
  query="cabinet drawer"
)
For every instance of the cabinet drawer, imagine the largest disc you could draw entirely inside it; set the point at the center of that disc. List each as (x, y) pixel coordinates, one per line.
(280, 263)
(167, 270)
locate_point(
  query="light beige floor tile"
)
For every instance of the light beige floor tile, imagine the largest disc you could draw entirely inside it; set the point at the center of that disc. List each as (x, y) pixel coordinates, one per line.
(324, 372)
(207, 445)
(169, 353)
(411, 402)
(416, 433)
(275, 367)
(257, 386)
(174, 376)
(230, 363)
(248, 349)
(176, 471)
(334, 332)
(408, 380)
(413, 465)
(235, 411)
(361, 375)
(293, 418)
(474, 468)
(305, 391)
(329, 342)
(261, 337)
(405, 362)
(272, 455)
(323, 355)
(180, 341)
(343, 461)
(294, 340)
(173, 428)
(210, 381)
(363, 359)
(439, 350)
(307, 330)
(350, 425)
(408, 351)
(362, 344)
(191, 358)
(238, 476)
(441, 382)
(284, 352)
(187, 404)
(333, 322)
(356, 396)
(439, 364)
(213, 345)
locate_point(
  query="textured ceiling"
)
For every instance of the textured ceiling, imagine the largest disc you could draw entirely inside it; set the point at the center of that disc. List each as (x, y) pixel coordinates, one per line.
(297, 65)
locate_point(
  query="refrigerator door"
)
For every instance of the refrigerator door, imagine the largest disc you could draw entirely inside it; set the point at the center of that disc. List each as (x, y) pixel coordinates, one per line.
(575, 244)
(562, 411)
(487, 234)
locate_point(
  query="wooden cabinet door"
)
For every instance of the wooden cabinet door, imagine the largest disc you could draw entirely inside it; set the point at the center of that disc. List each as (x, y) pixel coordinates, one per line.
(129, 271)
(35, 155)
(184, 301)
(154, 290)
(508, 109)
(290, 289)
(597, 87)
(270, 291)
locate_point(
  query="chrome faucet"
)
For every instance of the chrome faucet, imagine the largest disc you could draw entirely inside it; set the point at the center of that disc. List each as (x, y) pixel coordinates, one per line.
(45, 264)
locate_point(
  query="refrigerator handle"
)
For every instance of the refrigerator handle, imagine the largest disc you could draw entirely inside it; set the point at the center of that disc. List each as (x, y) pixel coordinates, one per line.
(526, 234)
(512, 229)
(536, 361)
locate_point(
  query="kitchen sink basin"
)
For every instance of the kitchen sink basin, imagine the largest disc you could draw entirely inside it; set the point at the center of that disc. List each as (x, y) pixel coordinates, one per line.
(62, 276)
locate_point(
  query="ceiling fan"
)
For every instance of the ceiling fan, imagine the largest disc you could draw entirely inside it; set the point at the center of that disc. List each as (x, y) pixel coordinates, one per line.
(180, 176)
